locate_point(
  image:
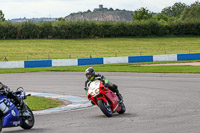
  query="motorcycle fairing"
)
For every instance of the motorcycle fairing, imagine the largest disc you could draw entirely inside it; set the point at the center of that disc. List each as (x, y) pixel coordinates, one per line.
(10, 118)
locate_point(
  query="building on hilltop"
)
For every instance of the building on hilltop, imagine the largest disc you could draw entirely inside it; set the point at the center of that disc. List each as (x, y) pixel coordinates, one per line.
(100, 8)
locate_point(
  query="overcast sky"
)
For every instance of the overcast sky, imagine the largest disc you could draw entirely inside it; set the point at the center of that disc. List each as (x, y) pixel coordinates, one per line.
(61, 8)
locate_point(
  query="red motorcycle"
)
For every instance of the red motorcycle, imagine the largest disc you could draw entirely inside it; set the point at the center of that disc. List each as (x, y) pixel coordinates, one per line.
(103, 97)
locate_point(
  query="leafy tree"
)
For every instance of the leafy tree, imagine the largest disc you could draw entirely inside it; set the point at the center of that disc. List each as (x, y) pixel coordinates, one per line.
(61, 19)
(111, 9)
(142, 14)
(161, 17)
(195, 4)
(2, 16)
(175, 10)
(46, 30)
(88, 10)
(11, 30)
(191, 12)
(62, 29)
(29, 30)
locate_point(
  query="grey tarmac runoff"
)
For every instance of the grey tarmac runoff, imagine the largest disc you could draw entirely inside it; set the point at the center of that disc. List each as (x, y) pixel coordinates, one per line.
(155, 103)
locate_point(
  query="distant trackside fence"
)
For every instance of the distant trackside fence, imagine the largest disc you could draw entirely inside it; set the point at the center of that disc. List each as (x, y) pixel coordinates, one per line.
(94, 61)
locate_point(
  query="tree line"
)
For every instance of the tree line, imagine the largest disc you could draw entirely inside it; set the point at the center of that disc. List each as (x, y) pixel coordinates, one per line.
(178, 19)
(88, 29)
(178, 12)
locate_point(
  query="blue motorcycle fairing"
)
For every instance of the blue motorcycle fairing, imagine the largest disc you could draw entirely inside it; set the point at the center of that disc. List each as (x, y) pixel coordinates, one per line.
(11, 117)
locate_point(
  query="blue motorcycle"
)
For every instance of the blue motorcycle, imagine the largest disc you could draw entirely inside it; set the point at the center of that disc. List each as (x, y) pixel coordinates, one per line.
(10, 114)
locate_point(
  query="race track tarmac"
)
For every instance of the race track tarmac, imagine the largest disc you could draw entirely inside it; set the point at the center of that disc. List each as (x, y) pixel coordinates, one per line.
(155, 103)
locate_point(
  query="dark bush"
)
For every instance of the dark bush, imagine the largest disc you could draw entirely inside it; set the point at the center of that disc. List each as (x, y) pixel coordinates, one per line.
(29, 30)
(46, 30)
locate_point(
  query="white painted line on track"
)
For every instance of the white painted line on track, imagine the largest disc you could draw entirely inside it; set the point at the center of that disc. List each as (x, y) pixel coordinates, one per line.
(77, 102)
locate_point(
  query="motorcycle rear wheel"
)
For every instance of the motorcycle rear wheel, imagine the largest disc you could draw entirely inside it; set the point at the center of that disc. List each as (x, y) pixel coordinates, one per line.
(106, 109)
(29, 122)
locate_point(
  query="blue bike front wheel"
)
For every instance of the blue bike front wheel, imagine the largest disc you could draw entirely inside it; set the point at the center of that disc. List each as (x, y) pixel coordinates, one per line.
(28, 122)
(1, 123)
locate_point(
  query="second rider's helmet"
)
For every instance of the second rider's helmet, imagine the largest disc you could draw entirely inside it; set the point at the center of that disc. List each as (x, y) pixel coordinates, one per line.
(90, 73)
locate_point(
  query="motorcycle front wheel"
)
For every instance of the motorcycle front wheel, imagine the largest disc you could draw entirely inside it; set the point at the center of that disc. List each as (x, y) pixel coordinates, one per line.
(28, 122)
(1, 123)
(105, 108)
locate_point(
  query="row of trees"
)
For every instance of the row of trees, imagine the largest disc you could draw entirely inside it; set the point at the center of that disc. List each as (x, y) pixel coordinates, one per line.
(89, 29)
(178, 12)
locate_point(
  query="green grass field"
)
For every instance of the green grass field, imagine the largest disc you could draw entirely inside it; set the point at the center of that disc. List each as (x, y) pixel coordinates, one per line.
(40, 103)
(41, 49)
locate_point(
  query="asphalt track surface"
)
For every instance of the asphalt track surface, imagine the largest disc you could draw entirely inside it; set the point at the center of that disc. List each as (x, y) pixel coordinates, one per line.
(155, 103)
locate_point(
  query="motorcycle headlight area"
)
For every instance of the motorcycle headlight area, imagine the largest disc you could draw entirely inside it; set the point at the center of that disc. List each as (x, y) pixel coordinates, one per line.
(93, 91)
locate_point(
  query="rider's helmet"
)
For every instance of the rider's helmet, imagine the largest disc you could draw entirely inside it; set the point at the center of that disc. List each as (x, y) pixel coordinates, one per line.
(90, 73)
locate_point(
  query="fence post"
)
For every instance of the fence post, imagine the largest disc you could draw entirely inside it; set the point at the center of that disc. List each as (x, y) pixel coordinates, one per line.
(5, 59)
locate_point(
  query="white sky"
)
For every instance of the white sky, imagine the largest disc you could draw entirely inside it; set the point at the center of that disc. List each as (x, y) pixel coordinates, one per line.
(61, 8)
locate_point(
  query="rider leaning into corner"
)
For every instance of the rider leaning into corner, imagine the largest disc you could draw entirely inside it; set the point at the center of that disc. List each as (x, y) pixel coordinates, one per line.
(13, 95)
(91, 76)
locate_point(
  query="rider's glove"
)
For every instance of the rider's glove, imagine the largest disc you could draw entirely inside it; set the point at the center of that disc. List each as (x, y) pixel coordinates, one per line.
(86, 88)
(106, 85)
(2, 86)
(102, 78)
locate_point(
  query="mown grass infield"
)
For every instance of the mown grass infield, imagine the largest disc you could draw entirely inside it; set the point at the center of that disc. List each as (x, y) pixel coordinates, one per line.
(41, 103)
(42, 49)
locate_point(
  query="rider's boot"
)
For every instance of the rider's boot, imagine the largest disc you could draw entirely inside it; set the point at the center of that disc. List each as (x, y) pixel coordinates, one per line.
(119, 96)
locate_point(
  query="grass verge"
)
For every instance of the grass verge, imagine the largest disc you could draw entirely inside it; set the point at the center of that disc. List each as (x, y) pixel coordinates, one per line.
(41, 103)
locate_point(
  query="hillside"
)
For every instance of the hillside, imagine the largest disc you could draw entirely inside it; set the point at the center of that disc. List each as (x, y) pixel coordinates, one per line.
(101, 14)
